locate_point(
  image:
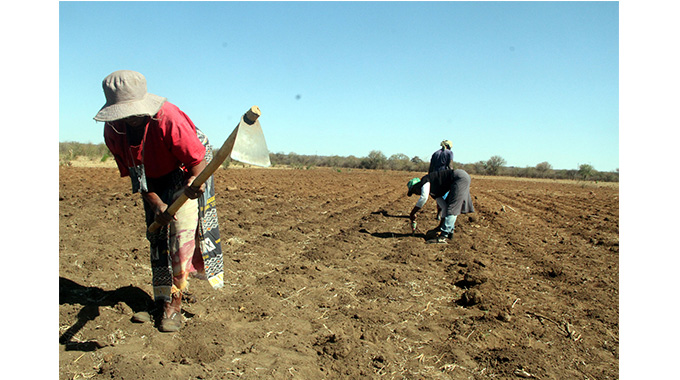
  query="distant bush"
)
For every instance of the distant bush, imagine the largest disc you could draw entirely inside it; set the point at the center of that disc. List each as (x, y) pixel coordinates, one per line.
(586, 171)
(71, 150)
(543, 169)
(399, 161)
(375, 160)
(494, 164)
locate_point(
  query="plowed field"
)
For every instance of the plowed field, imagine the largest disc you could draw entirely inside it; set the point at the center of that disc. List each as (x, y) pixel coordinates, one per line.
(325, 281)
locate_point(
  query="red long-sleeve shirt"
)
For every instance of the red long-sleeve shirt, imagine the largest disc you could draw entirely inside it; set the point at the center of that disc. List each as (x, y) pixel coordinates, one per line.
(169, 142)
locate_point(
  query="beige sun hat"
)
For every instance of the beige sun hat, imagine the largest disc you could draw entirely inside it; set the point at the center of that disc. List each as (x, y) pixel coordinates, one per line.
(446, 144)
(126, 95)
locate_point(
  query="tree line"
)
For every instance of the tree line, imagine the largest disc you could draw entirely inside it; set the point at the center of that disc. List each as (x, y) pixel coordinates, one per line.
(376, 160)
(495, 166)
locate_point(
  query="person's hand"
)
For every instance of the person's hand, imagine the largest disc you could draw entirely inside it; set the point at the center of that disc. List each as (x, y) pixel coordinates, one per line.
(162, 216)
(193, 192)
(412, 216)
(159, 208)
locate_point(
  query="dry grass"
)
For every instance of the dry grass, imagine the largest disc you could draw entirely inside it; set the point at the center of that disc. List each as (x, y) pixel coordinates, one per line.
(581, 183)
(86, 162)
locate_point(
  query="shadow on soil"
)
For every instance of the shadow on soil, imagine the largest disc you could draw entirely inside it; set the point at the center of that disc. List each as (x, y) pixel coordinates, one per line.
(92, 298)
(387, 214)
(392, 235)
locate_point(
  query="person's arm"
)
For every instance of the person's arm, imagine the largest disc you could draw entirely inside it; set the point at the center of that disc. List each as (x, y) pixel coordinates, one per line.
(412, 216)
(194, 171)
(424, 193)
(158, 207)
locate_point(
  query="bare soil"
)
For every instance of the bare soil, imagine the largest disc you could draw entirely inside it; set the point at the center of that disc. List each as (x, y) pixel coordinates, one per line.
(325, 281)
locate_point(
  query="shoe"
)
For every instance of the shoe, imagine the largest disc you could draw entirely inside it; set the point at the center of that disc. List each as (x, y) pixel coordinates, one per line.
(171, 320)
(437, 240)
(442, 238)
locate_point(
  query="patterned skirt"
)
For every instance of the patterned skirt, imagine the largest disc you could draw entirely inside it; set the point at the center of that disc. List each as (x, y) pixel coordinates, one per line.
(207, 260)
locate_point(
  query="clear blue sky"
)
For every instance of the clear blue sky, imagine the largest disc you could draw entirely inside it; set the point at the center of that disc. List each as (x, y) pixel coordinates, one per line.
(528, 81)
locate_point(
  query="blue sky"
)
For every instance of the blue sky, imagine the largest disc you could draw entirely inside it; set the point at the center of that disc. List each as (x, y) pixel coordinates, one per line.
(529, 81)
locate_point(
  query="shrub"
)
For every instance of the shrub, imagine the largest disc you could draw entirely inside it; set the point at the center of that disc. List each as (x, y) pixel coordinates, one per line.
(585, 171)
(494, 164)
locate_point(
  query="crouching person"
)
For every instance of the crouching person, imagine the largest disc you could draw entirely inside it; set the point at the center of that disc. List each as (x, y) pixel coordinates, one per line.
(458, 201)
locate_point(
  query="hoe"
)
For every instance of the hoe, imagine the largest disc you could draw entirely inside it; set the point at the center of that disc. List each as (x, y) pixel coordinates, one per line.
(245, 144)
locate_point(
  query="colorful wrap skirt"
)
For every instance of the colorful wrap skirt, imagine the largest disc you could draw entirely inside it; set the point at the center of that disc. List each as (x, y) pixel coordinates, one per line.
(189, 245)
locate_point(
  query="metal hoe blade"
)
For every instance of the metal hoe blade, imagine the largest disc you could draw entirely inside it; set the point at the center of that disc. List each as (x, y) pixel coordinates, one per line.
(247, 144)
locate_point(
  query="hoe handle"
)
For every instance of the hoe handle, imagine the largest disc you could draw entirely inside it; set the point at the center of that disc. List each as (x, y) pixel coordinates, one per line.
(249, 117)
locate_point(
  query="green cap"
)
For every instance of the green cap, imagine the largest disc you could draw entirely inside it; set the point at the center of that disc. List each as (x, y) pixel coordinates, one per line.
(412, 182)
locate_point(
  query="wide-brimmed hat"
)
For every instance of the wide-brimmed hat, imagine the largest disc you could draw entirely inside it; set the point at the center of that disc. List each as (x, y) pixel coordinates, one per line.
(446, 144)
(126, 95)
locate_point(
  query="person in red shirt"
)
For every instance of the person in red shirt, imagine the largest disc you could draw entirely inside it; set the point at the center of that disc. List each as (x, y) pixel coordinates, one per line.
(161, 150)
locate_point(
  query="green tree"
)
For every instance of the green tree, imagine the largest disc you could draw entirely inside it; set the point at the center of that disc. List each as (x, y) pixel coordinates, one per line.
(494, 164)
(399, 161)
(585, 171)
(479, 167)
(543, 168)
(375, 160)
(418, 165)
(351, 162)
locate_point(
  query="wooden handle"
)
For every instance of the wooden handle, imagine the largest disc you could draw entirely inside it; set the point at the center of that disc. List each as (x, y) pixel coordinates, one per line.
(251, 115)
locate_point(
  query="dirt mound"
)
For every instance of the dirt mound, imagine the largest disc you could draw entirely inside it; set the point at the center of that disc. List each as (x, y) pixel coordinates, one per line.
(324, 279)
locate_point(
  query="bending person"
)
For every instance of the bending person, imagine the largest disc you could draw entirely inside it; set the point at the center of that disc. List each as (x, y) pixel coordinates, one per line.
(442, 159)
(458, 201)
(162, 151)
